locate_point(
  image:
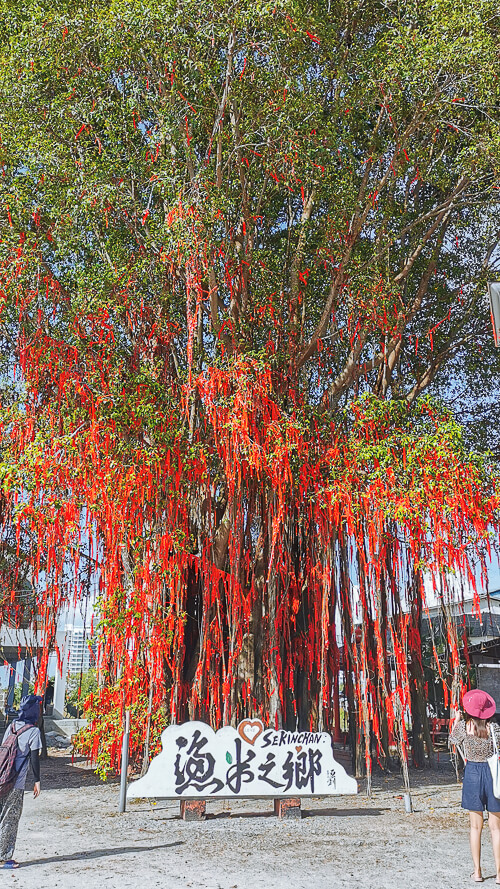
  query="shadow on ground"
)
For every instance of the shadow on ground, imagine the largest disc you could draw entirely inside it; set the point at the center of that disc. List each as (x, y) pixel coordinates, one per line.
(341, 813)
(306, 813)
(98, 853)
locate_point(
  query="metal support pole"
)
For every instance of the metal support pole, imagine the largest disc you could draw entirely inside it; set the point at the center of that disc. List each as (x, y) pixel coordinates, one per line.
(26, 676)
(124, 769)
(12, 684)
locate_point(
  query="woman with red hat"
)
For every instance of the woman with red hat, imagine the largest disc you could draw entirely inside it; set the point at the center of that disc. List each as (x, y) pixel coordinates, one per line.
(474, 734)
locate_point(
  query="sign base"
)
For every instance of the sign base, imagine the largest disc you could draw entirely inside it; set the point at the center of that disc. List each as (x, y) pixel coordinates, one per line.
(196, 809)
(193, 809)
(287, 808)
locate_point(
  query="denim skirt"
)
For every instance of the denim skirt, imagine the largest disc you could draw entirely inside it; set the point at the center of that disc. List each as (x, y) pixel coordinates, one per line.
(477, 789)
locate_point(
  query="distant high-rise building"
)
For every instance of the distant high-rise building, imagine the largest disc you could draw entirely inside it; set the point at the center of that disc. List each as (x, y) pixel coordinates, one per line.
(76, 657)
(80, 657)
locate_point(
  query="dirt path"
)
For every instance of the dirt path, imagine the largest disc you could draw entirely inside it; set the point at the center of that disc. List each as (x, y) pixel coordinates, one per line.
(73, 837)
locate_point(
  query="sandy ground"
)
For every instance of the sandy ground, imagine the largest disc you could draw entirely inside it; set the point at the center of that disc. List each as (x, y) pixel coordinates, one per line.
(73, 836)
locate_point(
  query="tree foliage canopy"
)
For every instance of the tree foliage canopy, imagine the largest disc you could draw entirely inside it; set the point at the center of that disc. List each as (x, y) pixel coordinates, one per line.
(316, 176)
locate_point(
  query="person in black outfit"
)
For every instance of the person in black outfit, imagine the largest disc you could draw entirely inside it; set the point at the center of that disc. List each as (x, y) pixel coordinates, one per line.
(11, 806)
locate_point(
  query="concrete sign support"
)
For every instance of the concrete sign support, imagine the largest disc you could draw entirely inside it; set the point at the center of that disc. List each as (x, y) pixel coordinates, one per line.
(251, 760)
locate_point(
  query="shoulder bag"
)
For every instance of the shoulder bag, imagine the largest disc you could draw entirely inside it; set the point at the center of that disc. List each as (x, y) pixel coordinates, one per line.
(494, 763)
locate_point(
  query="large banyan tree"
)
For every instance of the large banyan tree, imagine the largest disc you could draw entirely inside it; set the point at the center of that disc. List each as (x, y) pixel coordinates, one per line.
(244, 249)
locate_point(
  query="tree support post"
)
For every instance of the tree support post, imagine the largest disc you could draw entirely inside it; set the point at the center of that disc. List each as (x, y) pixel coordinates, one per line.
(124, 768)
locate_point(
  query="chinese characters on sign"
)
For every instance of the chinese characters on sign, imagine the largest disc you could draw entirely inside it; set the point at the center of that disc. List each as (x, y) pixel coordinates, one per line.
(248, 761)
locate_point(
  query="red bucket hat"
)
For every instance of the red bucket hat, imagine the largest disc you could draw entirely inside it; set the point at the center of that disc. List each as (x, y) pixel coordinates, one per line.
(479, 704)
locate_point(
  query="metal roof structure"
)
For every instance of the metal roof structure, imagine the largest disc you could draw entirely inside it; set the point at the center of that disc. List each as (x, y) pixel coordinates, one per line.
(480, 629)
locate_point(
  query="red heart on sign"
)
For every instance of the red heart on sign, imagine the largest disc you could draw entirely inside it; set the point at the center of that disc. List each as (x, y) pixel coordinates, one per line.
(250, 729)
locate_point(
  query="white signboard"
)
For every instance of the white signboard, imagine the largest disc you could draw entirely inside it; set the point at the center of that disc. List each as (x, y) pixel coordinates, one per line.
(251, 760)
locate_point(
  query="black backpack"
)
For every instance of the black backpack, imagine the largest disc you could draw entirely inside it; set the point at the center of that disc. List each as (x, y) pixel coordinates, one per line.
(8, 752)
